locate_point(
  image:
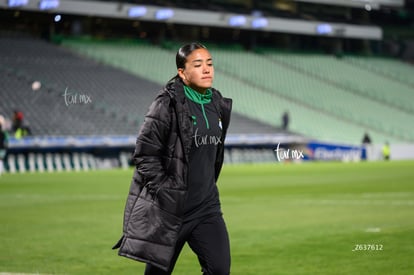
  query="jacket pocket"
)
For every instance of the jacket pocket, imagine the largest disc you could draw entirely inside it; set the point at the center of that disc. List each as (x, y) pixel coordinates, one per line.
(152, 223)
(171, 200)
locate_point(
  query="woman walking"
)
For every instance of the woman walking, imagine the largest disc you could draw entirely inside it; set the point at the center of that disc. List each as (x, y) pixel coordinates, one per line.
(173, 197)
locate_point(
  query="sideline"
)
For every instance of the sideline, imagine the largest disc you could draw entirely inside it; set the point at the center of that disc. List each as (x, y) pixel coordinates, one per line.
(12, 273)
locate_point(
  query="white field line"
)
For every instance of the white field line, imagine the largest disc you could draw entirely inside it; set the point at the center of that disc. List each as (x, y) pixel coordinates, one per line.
(357, 202)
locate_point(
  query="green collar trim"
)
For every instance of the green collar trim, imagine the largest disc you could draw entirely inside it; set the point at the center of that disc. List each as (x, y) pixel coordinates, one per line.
(201, 99)
(197, 97)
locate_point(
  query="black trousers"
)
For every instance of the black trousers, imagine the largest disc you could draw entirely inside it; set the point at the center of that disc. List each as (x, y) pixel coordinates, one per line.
(209, 240)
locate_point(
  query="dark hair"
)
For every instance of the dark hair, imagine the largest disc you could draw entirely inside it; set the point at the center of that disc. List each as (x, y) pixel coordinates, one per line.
(182, 54)
(185, 51)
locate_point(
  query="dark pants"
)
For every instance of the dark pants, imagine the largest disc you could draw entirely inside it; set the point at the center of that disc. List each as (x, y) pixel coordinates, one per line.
(209, 240)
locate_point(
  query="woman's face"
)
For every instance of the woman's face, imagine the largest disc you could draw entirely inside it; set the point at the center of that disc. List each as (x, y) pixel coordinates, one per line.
(199, 71)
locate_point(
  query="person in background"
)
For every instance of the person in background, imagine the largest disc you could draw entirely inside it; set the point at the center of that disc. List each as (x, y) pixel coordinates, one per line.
(19, 129)
(386, 151)
(366, 142)
(366, 139)
(17, 120)
(6, 123)
(173, 198)
(285, 120)
(3, 147)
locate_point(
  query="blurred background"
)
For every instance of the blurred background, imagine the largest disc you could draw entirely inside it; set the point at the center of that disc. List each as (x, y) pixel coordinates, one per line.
(310, 79)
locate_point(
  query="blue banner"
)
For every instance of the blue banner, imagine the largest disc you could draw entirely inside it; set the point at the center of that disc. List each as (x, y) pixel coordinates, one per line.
(334, 152)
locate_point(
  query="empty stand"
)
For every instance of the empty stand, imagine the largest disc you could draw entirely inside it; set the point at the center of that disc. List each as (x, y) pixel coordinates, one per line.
(328, 98)
(78, 96)
(81, 96)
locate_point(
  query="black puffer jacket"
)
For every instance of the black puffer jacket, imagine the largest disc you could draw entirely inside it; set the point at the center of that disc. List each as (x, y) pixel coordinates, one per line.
(154, 207)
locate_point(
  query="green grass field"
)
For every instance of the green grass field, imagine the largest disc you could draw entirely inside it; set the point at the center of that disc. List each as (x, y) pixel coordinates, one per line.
(282, 219)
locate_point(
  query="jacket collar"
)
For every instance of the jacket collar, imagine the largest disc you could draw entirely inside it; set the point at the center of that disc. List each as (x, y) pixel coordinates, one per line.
(175, 90)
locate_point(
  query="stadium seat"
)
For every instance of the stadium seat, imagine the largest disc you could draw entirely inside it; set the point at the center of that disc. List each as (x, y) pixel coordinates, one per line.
(328, 98)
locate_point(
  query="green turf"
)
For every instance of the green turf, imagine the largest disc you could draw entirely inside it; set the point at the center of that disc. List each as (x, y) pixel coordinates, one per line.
(282, 219)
